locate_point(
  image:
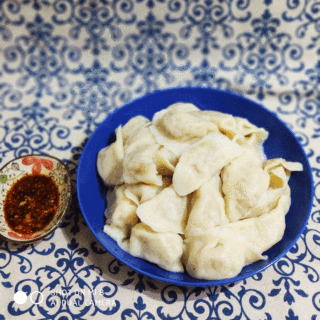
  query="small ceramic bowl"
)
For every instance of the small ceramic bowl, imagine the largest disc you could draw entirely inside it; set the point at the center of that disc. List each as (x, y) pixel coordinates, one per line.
(21, 167)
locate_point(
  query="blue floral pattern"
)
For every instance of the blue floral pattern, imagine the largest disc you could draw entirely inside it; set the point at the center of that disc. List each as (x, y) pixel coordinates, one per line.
(66, 64)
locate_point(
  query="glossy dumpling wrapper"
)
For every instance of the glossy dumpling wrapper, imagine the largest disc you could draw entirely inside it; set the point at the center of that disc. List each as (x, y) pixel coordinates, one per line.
(109, 161)
(199, 162)
(207, 208)
(162, 248)
(226, 124)
(139, 166)
(166, 212)
(120, 214)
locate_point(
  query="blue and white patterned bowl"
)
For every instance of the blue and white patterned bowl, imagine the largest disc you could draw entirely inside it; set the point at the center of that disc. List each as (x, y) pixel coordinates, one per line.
(281, 143)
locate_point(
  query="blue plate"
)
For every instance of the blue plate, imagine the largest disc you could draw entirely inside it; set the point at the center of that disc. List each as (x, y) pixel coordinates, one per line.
(281, 143)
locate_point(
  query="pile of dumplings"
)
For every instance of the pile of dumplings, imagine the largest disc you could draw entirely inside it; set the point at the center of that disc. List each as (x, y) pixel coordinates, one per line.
(192, 190)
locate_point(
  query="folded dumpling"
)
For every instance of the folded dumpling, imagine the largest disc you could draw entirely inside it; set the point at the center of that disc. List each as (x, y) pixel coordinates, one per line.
(139, 166)
(173, 145)
(176, 127)
(141, 192)
(163, 248)
(165, 212)
(218, 253)
(165, 161)
(133, 125)
(244, 182)
(184, 126)
(141, 137)
(179, 106)
(120, 214)
(266, 230)
(207, 208)
(109, 161)
(199, 162)
(279, 171)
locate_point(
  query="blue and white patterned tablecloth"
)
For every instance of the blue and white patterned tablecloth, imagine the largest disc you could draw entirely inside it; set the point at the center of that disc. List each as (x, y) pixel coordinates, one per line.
(66, 64)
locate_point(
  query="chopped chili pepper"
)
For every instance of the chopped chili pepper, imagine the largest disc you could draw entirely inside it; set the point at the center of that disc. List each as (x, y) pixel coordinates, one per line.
(31, 203)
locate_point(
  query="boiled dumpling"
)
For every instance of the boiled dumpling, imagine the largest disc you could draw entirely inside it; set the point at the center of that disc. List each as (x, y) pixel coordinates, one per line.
(133, 125)
(174, 146)
(139, 166)
(202, 160)
(163, 248)
(279, 171)
(218, 253)
(176, 127)
(140, 192)
(208, 208)
(109, 161)
(165, 161)
(141, 137)
(244, 182)
(167, 211)
(120, 214)
(179, 106)
(266, 230)
(184, 126)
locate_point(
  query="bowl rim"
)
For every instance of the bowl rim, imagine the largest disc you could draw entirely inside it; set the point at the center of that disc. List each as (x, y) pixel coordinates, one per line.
(54, 227)
(200, 282)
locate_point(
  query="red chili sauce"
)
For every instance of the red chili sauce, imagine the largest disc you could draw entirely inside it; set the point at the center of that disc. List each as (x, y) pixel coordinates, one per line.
(31, 203)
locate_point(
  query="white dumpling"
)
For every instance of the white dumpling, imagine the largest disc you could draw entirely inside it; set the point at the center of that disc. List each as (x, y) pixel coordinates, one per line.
(289, 166)
(279, 171)
(109, 161)
(218, 254)
(165, 161)
(266, 230)
(133, 125)
(208, 208)
(199, 162)
(244, 182)
(139, 166)
(120, 214)
(179, 106)
(167, 211)
(162, 248)
(175, 146)
(140, 193)
(184, 126)
(236, 129)
(141, 137)
(248, 130)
